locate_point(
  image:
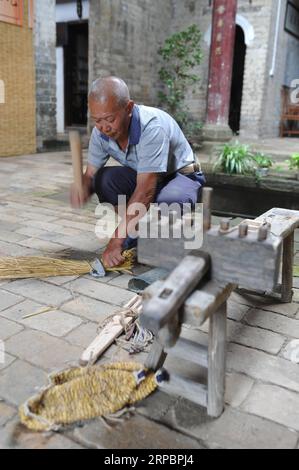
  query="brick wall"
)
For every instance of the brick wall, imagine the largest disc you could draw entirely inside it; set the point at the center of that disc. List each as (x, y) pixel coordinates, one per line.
(17, 114)
(261, 93)
(45, 61)
(124, 39)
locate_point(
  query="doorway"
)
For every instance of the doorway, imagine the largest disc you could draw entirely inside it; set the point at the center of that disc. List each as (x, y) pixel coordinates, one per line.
(237, 81)
(76, 74)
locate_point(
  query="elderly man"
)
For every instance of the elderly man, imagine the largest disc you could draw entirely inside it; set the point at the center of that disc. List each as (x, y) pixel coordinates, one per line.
(157, 162)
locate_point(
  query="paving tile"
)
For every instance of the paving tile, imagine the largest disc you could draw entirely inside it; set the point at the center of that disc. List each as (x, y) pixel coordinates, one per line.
(17, 312)
(8, 328)
(288, 309)
(102, 291)
(91, 309)
(54, 322)
(83, 335)
(255, 337)
(262, 366)
(233, 430)
(7, 360)
(237, 388)
(6, 413)
(16, 436)
(39, 291)
(8, 300)
(60, 280)
(38, 244)
(19, 381)
(134, 433)
(121, 281)
(43, 350)
(5, 235)
(274, 403)
(236, 311)
(274, 322)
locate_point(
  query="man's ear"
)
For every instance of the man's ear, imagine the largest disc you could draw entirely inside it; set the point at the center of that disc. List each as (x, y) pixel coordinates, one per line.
(130, 107)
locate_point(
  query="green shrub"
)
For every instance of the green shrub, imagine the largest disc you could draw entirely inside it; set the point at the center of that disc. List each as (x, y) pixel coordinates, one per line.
(294, 162)
(235, 159)
(181, 52)
(262, 160)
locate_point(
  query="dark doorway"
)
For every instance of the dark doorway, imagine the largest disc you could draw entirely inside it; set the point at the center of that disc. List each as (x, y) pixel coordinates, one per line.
(76, 74)
(237, 80)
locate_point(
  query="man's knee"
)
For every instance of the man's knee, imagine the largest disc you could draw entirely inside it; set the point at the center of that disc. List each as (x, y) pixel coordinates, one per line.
(103, 185)
(110, 182)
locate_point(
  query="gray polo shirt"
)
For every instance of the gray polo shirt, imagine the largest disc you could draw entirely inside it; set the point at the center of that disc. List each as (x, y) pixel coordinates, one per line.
(156, 144)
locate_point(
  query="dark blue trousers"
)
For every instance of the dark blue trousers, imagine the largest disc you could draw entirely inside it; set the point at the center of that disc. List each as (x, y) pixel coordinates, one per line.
(110, 182)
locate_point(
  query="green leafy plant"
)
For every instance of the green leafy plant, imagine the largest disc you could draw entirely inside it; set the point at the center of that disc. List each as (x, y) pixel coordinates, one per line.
(235, 159)
(181, 52)
(262, 160)
(294, 162)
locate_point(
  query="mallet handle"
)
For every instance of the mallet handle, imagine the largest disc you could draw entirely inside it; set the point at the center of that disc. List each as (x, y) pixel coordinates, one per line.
(77, 159)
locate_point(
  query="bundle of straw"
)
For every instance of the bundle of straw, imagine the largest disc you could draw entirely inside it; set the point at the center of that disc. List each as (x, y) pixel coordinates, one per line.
(41, 266)
(127, 265)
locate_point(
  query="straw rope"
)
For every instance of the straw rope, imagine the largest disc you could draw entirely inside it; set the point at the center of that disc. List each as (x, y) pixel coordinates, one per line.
(84, 393)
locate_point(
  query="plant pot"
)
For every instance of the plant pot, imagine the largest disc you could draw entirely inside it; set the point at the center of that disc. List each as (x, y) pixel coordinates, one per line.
(261, 172)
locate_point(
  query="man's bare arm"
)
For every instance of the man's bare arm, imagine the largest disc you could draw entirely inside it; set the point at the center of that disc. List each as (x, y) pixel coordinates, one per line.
(144, 194)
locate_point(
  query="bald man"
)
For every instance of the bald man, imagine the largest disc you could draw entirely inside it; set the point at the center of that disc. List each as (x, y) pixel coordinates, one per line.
(157, 162)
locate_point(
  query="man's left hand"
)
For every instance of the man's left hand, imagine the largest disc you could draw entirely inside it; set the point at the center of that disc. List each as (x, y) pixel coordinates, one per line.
(112, 255)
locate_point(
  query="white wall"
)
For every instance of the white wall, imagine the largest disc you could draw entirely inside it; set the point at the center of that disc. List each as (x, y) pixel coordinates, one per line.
(65, 12)
(60, 90)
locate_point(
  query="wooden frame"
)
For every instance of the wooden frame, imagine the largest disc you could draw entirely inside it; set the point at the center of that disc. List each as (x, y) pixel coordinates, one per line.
(12, 14)
(291, 8)
(31, 13)
(289, 113)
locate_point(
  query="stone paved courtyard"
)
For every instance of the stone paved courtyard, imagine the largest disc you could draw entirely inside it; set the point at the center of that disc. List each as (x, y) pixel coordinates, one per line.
(262, 384)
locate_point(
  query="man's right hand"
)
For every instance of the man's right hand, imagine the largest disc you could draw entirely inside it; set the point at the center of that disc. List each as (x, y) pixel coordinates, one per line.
(79, 198)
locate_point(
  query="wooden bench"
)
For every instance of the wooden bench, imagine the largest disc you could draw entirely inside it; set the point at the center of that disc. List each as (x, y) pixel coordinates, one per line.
(283, 224)
(289, 114)
(181, 300)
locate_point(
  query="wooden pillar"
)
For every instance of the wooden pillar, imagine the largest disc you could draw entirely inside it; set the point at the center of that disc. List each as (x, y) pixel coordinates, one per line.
(220, 71)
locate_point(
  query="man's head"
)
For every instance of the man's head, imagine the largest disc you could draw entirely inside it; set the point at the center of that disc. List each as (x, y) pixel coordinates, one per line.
(110, 106)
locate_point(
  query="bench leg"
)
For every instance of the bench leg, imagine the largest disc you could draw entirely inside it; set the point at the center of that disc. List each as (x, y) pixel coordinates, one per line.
(287, 268)
(217, 361)
(156, 357)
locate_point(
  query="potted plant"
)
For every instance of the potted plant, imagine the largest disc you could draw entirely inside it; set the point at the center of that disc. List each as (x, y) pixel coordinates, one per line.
(235, 159)
(263, 163)
(294, 164)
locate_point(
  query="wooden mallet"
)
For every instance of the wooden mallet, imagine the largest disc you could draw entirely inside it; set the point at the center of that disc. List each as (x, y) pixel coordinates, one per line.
(77, 159)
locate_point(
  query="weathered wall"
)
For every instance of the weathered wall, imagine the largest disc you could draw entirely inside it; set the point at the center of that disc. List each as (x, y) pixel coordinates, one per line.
(260, 111)
(189, 12)
(45, 60)
(124, 39)
(257, 66)
(275, 74)
(17, 113)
